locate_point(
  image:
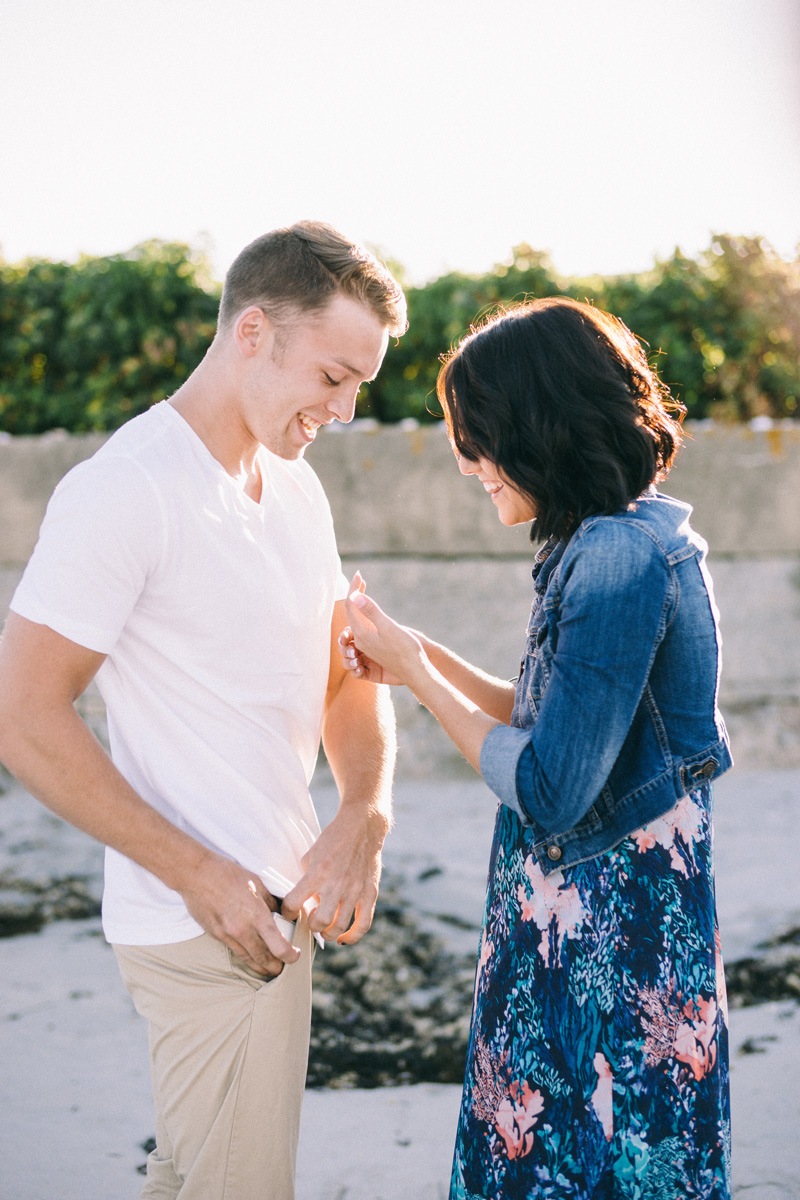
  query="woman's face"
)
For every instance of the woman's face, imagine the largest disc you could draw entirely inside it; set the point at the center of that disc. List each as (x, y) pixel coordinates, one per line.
(513, 508)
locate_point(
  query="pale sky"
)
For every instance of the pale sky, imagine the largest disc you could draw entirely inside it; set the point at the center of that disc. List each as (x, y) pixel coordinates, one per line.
(605, 133)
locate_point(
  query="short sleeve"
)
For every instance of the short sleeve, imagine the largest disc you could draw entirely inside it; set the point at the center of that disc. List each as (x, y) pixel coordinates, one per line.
(102, 535)
(342, 590)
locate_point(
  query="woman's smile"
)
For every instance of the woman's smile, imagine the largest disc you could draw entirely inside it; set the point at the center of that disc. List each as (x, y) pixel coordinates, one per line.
(513, 507)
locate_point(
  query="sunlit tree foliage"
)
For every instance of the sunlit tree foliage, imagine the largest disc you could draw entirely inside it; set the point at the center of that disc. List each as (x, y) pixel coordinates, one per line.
(85, 346)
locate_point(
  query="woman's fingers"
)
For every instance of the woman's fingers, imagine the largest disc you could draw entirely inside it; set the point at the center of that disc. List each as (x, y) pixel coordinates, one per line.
(357, 584)
(376, 646)
(363, 613)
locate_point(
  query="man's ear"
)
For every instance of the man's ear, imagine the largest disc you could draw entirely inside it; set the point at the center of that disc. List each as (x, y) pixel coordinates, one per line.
(251, 329)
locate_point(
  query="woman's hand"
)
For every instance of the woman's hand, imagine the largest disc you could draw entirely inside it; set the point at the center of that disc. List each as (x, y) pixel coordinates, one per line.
(360, 665)
(374, 647)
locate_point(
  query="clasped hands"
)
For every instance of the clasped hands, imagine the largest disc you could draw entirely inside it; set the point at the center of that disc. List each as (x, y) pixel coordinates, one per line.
(374, 647)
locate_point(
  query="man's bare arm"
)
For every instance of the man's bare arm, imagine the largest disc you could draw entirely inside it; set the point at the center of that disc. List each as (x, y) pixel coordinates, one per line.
(47, 746)
(343, 867)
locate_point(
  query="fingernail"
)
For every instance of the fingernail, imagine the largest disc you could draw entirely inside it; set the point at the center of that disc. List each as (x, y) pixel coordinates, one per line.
(358, 598)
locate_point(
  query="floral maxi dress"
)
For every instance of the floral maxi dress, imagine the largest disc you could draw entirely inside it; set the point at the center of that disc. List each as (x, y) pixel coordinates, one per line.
(598, 1058)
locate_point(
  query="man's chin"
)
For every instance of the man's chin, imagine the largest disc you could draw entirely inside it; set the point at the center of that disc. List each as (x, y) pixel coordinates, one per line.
(287, 452)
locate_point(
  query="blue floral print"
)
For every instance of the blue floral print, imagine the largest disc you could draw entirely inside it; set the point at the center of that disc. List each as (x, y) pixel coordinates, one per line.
(598, 1057)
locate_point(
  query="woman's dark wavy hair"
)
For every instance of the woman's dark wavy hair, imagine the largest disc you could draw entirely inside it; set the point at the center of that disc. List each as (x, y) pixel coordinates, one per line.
(561, 397)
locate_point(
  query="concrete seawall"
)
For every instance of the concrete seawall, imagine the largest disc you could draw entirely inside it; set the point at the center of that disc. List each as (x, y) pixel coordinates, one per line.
(435, 556)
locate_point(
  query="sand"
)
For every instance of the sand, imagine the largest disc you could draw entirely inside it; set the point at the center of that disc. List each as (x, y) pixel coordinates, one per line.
(74, 1087)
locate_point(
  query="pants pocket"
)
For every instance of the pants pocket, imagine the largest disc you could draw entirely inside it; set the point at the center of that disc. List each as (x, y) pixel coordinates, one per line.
(242, 971)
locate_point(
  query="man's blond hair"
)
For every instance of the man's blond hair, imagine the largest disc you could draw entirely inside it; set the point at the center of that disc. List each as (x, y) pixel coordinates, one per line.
(299, 269)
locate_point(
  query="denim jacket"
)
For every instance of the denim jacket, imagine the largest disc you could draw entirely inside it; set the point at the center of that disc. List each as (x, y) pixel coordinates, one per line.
(615, 716)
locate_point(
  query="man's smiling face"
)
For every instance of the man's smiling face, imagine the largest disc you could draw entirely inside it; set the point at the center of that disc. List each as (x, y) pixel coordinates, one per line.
(308, 372)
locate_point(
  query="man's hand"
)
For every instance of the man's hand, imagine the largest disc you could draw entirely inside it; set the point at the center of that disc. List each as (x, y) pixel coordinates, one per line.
(342, 873)
(47, 745)
(233, 906)
(343, 867)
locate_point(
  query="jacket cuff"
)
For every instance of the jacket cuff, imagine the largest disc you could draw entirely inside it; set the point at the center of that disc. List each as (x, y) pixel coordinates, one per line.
(501, 751)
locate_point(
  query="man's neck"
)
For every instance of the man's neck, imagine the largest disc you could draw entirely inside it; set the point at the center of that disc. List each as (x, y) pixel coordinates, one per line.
(203, 403)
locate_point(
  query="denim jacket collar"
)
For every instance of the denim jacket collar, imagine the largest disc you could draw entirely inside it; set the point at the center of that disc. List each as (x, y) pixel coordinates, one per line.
(548, 556)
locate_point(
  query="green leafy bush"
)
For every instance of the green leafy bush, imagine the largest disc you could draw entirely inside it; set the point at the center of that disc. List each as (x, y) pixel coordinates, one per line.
(724, 328)
(86, 346)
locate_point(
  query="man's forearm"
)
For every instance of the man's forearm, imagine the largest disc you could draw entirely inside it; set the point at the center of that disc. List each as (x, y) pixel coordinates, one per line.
(72, 775)
(343, 867)
(46, 745)
(360, 741)
(56, 757)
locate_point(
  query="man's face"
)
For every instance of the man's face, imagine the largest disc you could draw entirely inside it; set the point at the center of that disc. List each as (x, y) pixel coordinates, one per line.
(308, 374)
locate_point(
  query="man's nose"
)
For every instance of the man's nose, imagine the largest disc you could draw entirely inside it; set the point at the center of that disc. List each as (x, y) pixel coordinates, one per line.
(343, 405)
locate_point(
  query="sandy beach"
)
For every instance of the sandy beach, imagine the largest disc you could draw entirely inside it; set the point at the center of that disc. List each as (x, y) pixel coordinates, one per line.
(74, 1086)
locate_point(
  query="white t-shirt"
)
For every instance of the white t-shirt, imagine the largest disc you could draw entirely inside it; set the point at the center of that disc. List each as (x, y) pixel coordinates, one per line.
(215, 615)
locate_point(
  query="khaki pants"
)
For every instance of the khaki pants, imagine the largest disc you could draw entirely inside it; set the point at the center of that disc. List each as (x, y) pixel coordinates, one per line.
(228, 1057)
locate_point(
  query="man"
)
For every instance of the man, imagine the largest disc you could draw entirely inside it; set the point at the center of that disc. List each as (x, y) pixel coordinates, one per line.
(191, 566)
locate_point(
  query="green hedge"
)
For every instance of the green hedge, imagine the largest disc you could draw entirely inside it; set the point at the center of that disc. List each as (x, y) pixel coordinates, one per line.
(723, 329)
(85, 346)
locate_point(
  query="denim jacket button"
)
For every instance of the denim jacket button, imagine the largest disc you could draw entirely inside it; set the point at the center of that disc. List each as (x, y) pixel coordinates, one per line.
(554, 853)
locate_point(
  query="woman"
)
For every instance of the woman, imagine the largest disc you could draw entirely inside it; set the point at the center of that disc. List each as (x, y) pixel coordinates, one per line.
(597, 1062)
